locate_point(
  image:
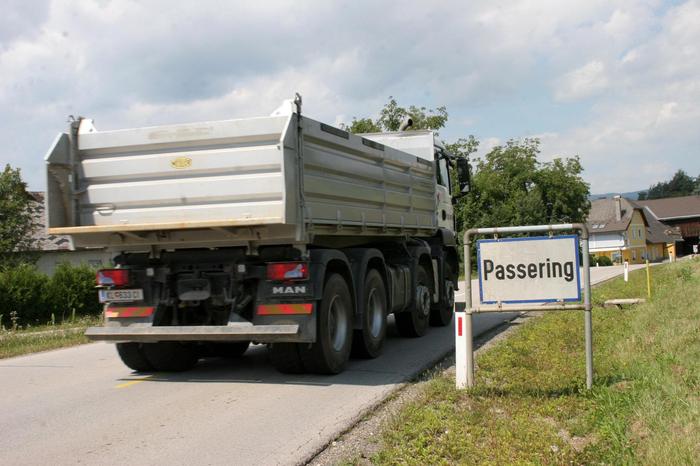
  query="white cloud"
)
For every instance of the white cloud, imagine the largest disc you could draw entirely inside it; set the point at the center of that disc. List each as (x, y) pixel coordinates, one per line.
(613, 81)
(582, 82)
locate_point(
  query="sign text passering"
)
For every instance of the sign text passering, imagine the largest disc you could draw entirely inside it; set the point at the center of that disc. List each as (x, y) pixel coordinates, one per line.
(528, 270)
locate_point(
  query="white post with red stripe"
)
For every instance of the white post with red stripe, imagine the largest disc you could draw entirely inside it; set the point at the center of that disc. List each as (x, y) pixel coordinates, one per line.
(463, 349)
(464, 336)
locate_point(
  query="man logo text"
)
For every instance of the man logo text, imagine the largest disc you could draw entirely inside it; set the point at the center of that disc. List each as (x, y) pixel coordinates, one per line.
(288, 289)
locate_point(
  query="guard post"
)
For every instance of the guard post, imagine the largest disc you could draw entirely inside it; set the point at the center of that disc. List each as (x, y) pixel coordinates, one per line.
(464, 318)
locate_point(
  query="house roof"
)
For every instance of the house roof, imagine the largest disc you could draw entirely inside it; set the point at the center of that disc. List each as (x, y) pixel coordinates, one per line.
(44, 241)
(658, 232)
(601, 218)
(671, 208)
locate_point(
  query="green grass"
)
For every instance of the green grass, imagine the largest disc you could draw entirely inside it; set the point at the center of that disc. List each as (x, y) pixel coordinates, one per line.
(45, 337)
(530, 405)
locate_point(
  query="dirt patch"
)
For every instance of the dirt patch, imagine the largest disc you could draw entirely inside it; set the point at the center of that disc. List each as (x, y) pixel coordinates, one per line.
(639, 430)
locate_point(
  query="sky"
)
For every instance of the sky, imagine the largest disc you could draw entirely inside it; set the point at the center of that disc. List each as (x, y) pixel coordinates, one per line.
(616, 83)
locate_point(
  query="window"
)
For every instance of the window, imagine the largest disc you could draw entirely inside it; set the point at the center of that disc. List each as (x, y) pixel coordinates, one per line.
(443, 171)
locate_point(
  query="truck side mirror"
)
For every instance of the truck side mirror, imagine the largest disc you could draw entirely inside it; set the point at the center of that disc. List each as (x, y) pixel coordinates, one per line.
(463, 175)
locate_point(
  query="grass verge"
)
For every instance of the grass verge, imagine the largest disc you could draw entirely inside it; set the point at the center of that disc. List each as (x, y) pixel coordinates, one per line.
(45, 337)
(530, 405)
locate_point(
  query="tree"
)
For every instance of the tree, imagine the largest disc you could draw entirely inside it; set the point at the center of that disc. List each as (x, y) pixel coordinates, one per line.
(392, 115)
(680, 185)
(511, 187)
(564, 193)
(17, 218)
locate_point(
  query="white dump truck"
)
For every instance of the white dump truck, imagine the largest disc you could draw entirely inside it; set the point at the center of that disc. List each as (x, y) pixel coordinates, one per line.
(279, 230)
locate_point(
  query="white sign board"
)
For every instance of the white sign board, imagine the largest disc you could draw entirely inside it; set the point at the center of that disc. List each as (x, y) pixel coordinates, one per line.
(529, 270)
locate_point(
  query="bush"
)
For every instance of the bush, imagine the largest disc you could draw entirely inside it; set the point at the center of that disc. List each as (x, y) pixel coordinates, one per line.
(71, 290)
(604, 261)
(30, 297)
(23, 296)
(593, 260)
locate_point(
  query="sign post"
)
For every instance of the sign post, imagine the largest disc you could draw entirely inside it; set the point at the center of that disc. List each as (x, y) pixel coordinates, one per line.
(648, 280)
(626, 270)
(526, 274)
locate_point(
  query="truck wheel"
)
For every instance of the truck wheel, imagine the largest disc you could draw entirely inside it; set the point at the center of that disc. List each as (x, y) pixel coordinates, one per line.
(331, 351)
(441, 316)
(234, 349)
(285, 357)
(414, 323)
(368, 341)
(170, 356)
(132, 356)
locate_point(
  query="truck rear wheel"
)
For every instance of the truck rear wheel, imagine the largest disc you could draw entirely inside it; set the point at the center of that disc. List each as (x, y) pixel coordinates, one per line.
(170, 356)
(285, 357)
(331, 351)
(234, 349)
(368, 342)
(414, 323)
(132, 356)
(441, 316)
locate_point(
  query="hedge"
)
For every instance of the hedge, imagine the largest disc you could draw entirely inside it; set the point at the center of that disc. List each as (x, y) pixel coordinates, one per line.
(30, 297)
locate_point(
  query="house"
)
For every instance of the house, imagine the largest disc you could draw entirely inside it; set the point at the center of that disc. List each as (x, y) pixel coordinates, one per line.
(622, 230)
(662, 239)
(682, 213)
(54, 249)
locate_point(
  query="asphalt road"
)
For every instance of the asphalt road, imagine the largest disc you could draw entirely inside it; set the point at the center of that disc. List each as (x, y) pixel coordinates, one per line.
(81, 405)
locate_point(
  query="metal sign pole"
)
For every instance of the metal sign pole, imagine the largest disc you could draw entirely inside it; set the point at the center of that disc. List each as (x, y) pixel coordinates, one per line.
(464, 338)
(587, 314)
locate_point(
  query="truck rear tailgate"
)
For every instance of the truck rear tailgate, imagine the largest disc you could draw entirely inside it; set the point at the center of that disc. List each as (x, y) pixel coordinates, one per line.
(205, 174)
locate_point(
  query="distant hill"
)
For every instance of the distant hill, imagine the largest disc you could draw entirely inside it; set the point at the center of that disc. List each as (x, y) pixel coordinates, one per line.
(633, 195)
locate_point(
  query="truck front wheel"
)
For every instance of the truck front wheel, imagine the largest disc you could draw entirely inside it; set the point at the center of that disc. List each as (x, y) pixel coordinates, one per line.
(414, 323)
(441, 315)
(331, 351)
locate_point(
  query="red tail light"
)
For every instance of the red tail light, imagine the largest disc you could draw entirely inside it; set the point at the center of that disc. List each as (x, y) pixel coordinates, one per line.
(113, 277)
(282, 271)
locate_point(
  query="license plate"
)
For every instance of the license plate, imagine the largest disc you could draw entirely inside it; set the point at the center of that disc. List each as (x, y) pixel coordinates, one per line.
(117, 296)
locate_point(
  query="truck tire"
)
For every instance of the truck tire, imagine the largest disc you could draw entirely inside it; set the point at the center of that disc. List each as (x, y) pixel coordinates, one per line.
(441, 316)
(170, 356)
(132, 356)
(414, 323)
(368, 342)
(234, 349)
(331, 351)
(285, 357)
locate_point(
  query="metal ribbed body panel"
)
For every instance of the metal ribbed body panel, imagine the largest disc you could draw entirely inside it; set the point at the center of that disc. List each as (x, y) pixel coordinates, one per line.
(209, 172)
(348, 183)
(214, 181)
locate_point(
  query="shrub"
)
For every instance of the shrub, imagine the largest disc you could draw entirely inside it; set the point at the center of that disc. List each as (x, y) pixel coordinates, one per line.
(30, 297)
(71, 290)
(593, 260)
(604, 261)
(23, 298)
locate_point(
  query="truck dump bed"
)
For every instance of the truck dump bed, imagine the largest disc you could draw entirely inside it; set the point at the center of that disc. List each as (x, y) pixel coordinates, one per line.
(272, 179)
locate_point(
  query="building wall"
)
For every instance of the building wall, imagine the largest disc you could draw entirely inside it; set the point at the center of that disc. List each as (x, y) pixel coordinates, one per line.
(656, 251)
(670, 251)
(636, 255)
(606, 241)
(636, 231)
(49, 260)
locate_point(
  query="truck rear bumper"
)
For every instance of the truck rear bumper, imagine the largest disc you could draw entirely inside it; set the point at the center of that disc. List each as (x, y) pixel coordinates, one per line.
(236, 332)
